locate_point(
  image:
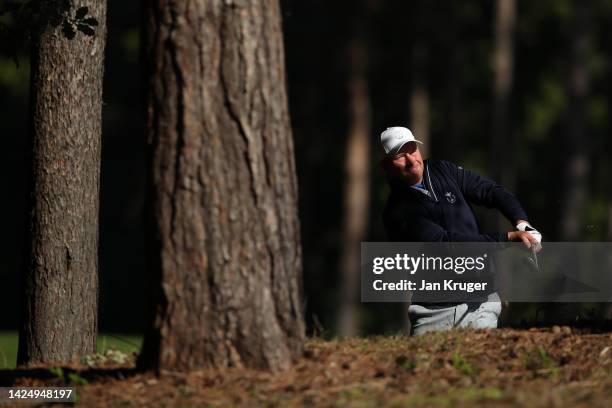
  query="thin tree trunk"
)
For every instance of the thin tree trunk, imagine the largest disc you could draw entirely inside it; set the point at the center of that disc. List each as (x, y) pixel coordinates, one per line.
(576, 139)
(419, 99)
(419, 122)
(502, 158)
(225, 253)
(356, 189)
(61, 281)
(450, 146)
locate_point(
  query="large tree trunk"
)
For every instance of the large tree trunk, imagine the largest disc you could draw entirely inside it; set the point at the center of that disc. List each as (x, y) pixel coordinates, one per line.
(356, 189)
(502, 157)
(225, 250)
(61, 280)
(576, 139)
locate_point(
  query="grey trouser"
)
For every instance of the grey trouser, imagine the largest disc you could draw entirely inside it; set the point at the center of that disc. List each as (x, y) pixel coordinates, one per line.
(477, 316)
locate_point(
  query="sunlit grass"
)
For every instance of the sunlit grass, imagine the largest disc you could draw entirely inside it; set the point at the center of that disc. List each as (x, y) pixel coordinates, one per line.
(9, 340)
(8, 349)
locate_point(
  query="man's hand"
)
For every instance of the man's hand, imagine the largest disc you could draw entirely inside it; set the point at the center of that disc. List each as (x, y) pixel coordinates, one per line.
(526, 233)
(526, 237)
(523, 225)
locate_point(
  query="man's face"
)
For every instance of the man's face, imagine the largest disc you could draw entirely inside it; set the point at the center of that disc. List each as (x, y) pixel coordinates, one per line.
(407, 164)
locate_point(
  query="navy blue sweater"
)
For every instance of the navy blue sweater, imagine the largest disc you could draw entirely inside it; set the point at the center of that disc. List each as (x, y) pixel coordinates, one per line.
(445, 215)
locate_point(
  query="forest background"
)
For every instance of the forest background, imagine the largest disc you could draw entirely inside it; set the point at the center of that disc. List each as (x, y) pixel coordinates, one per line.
(524, 100)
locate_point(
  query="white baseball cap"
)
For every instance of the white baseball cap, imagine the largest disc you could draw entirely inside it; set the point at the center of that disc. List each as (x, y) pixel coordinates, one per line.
(395, 137)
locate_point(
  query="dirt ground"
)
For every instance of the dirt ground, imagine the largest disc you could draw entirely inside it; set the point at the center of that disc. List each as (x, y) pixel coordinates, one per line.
(538, 367)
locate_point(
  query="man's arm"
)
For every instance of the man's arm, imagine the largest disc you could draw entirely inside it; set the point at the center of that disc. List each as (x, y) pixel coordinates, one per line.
(485, 192)
(426, 230)
(420, 228)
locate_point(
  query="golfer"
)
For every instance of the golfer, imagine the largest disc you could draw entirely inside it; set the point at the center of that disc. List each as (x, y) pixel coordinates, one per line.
(430, 201)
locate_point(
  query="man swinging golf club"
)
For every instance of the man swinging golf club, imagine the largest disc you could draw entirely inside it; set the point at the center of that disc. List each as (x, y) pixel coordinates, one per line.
(430, 201)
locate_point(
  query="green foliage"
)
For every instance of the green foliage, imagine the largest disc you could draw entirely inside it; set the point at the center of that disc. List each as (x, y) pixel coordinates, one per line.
(462, 365)
(16, 79)
(597, 112)
(57, 372)
(538, 359)
(76, 379)
(72, 377)
(404, 362)
(252, 390)
(127, 344)
(110, 356)
(546, 360)
(8, 350)
(130, 42)
(545, 108)
(352, 397)
(596, 219)
(115, 349)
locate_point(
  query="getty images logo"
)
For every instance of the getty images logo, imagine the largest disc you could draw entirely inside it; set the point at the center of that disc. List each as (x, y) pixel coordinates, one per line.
(413, 264)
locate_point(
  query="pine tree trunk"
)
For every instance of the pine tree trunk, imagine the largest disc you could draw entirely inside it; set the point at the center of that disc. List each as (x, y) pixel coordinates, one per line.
(419, 119)
(419, 115)
(419, 95)
(225, 249)
(454, 45)
(576, 138)
(502, 158)
(61, 281)
(356, 190)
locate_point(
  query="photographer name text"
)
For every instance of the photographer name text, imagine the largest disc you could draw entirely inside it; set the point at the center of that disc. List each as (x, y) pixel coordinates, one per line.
(425, 286)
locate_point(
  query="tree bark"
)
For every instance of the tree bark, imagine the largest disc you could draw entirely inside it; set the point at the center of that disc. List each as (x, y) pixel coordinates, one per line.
(225, 249)
(356, 189)
(419, 114)
(59, 321)
(576, 138)
(454, 44)
(502, 157)
(419, 97)
(419, 118)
